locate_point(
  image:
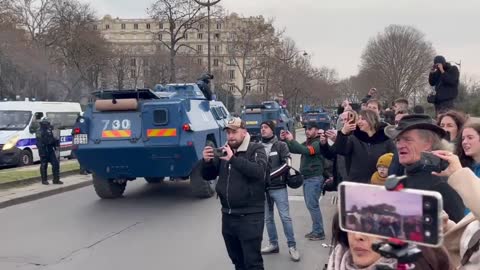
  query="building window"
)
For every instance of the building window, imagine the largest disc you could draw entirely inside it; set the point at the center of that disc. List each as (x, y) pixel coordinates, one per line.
(148, 26)
(94, 27)
(160, 37)
(231, 87)
(160, 26)
(202, 26)
(231, 74)
(199, 61)
(248, 87)
(249, 75)
(219, 26)
(133, 62)
(215, 62)
(200, 36)
(262, 87)
(231, 61)
(217, 48)
(186, 36)
(133, 73)
(123, 26)
(135, 26)
(199, 49)
(217, 36)
(107, 26)
(145, 62)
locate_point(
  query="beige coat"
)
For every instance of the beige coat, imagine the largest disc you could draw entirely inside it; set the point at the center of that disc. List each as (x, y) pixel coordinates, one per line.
(458, 237)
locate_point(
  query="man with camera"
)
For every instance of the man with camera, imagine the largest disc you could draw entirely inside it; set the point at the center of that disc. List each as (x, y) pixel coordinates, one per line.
(241, 167)
(416, 136)
(311, 167)
(445, 78)
(277, 194)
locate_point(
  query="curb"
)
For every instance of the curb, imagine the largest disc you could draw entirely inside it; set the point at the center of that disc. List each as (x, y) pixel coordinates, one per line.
(46, 193)
(33, 180)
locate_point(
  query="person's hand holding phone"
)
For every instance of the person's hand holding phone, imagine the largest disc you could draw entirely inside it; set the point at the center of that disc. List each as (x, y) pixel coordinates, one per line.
(348, 128)
(331, 134)
(453, 162)
(229, 152)
(323, 138)
(208, 154)
(288, 136)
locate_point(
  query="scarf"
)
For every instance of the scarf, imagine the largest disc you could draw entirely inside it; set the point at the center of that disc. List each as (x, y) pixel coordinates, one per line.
(377, 179)
(341, 259)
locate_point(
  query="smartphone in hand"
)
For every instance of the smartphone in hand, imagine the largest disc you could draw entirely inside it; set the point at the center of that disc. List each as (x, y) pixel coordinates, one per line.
(409, 215)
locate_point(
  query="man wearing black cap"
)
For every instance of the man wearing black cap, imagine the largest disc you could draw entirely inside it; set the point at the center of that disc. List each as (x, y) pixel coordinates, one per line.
(241, 175)
(445, 78)
(277, 194)
(311, 167)
(413, 135)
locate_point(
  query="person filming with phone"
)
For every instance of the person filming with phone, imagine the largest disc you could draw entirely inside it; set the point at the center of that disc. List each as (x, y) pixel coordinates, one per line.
(445, 78)
(415, 137)
(241, 167)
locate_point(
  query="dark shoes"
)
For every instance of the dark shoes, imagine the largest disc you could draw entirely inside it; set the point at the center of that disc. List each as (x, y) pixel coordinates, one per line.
(314, 236)
(45, 183)
(58, 182)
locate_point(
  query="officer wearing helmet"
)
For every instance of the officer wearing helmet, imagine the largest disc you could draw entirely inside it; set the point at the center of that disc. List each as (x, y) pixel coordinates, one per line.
(47, 145)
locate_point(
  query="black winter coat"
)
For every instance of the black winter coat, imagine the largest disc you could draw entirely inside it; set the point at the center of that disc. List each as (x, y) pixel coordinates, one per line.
(278, 164)
(362, 152)
(419, 178)
(241, 181)
(446, 84)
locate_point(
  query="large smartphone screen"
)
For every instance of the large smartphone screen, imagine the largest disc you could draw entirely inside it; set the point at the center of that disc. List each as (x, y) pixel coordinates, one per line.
(409, 215)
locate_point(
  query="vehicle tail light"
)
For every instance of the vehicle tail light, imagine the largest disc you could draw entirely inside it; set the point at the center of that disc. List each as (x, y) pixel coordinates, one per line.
(76, 131)
(186, 127)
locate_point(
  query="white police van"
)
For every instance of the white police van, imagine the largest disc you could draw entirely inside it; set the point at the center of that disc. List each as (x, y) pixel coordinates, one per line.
(17, 135)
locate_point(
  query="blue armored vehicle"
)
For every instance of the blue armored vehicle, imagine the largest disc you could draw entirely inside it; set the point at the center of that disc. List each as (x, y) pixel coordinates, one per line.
(128, 134)
(255, 114)
(322, 118)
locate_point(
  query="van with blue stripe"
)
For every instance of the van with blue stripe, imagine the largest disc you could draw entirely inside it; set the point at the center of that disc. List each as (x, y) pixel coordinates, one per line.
(18, 121)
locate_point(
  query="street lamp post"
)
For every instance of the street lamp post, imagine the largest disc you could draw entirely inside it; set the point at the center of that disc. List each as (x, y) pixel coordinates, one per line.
(208, 4)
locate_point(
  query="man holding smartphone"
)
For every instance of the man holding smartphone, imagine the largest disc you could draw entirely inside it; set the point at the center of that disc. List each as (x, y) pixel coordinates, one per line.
(241, 187)
(413, 135)
(311, 167)
(277, 194)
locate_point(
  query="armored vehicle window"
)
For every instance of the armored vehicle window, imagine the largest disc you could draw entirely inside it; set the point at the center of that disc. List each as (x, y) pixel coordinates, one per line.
(160, 117)
(216, 113)
(271, 115)
(224, 112)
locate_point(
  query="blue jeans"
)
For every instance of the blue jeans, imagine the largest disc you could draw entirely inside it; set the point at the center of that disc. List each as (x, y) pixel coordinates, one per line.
(279, 197)
(312, 189)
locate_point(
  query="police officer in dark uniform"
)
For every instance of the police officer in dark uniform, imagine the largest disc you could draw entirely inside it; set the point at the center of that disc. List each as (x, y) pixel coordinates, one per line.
(47, 145)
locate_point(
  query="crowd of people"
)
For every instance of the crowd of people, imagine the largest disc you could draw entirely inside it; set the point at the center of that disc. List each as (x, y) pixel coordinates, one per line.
(368, 144)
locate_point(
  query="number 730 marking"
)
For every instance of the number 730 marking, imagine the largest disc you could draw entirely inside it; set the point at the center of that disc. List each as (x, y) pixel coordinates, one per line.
(116, 124)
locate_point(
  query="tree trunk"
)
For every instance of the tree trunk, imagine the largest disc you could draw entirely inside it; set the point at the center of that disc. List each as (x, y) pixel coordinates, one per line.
(173, 74)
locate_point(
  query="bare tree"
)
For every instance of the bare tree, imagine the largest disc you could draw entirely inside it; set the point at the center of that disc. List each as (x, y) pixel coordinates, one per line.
(180, 17)
(35, 16)
(247, 48)
(78, 51)
(398, 59)
(120, 65)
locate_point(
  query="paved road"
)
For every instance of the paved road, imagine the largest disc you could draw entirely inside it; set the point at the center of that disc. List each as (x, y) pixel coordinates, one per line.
(152, 227)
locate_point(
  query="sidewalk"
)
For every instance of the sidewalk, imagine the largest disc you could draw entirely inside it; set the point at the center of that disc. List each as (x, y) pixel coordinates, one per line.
(17, 195)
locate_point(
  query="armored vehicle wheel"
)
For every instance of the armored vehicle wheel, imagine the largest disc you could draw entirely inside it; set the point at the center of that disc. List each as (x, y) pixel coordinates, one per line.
(201, 188)
(107, 189)
(154, 180)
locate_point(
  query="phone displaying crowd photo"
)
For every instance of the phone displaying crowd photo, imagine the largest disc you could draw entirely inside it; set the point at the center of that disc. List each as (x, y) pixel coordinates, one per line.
(409, 215)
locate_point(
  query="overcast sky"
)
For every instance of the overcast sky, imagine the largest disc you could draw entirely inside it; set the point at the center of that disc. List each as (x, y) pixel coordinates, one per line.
(335, 33)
